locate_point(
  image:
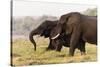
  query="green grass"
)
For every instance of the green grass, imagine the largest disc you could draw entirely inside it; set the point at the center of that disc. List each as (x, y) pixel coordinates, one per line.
(23, 53)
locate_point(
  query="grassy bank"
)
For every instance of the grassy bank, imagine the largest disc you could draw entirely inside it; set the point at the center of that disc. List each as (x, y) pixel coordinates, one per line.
(23, 53)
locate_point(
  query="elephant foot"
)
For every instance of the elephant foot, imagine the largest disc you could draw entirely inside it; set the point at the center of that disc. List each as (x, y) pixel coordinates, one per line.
(71, 54)
(58, 50)
(83, 53)
(47, 49)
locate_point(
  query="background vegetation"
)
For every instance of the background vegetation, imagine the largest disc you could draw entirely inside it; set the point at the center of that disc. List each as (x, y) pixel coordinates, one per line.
(24, 24)
(23, 53)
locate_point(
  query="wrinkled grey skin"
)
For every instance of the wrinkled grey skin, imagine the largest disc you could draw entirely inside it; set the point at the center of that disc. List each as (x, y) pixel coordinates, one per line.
(79, 26)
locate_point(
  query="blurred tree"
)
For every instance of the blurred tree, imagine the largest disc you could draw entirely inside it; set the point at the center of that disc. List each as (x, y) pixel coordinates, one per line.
(91, 12)
(23, 25)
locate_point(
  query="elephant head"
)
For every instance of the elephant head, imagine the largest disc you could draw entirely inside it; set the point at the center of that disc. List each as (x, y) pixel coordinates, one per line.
(65, 24)
(43, 29)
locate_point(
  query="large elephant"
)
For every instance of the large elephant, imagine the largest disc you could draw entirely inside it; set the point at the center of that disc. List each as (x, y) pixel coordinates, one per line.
(82, 28)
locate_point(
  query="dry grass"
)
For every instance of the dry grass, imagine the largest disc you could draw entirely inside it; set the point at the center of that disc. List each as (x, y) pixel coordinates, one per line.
(23, 53)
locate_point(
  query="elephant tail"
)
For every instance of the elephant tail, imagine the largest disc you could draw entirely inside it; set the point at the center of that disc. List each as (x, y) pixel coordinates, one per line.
(32, 39)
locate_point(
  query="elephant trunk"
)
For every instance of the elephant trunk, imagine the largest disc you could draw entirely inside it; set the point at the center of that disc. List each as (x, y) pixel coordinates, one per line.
(32, 33)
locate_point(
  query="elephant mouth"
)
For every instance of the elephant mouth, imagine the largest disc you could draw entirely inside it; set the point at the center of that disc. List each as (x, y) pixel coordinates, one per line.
(55, 36)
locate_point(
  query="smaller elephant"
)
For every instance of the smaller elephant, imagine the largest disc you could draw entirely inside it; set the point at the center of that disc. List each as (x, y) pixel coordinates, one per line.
(43, 29)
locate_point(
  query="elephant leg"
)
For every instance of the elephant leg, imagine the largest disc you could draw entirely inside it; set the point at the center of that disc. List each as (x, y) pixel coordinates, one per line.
(72, 50)
(74, 40)
(59, 45)
(51, 45)
(82, 48)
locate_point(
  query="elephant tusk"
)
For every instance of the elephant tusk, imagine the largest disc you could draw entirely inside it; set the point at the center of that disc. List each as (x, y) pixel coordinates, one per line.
(55, 36)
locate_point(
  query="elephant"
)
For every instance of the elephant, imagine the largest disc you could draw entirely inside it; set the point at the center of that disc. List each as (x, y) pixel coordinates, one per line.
(82, 28)
(45, 29)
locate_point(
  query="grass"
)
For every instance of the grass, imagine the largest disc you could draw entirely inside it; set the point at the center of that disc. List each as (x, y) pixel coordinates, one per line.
(23, 53)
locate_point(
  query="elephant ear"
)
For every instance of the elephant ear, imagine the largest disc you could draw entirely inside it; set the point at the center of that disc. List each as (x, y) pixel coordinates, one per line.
(72, 21)
(63, 19)
(62, 22)
(69, 29)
